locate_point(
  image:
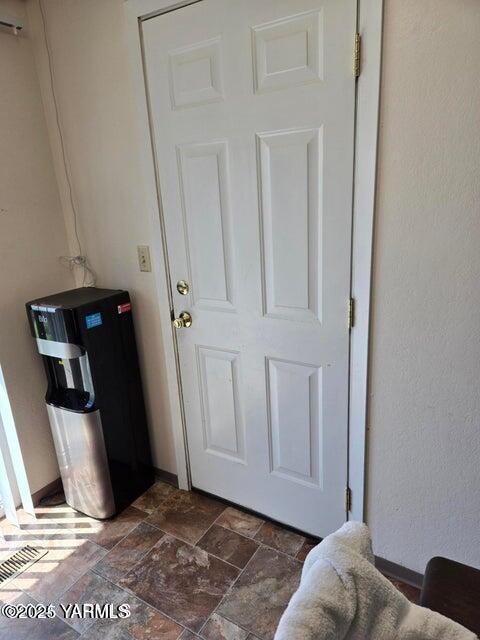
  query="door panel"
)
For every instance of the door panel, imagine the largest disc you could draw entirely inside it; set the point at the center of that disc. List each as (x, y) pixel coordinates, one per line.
(290, 186)
(252, 114)
(288, 51)
(204, 191)
(221, 403)
(195, 74)
(295, 421)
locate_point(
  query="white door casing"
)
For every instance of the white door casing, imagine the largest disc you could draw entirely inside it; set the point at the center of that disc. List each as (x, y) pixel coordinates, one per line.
(252, 107)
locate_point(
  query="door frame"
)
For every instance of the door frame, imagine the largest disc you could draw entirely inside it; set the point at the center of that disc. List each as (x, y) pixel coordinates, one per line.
(369, 19)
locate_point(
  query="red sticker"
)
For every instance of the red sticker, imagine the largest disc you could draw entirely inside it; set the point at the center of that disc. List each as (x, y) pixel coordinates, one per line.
(123, 308)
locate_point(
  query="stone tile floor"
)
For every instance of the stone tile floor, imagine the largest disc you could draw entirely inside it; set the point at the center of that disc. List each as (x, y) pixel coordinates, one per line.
(189, 567)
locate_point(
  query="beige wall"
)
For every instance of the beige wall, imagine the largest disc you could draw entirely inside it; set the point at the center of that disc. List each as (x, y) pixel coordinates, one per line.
(32, 237)
(424, 442)
(424, 405)
(95, 97)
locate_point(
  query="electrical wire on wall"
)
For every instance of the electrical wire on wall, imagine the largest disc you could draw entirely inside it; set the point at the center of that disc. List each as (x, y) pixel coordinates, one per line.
(79, 261)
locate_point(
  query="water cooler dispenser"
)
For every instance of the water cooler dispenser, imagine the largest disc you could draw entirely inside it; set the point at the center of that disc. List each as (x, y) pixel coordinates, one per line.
(94, 397)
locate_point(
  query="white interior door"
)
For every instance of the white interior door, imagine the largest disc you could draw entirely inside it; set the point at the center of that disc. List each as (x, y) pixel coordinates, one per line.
(252, 107)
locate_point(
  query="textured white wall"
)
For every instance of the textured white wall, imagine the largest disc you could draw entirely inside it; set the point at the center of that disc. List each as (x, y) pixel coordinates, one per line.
(424, 406)
(424, 441)
(32, 237)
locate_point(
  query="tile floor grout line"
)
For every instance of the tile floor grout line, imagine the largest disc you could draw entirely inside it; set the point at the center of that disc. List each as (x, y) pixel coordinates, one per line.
(107, 551)
(238, 532)
(260, 546)
(282, 553)
(128, 592)
(234, 566)
(131, 593)
(57, 599)
(247, 631)
(205, 533)
(37, 601)
(153, 524)
(264, 520)
(126, 536)
(163, 500)
(193, 544)
(219, 515)
(275, 549)
(138, 561)
(255, 534)
(240, 570)
(87, 539)
(259, 542)
(229, 529)
(177, 536)
(73, 532)
(121, 539)
(258, 530)
(228, 592)
(82, 576)
(175, 490)
(24, 589)
(196, 544)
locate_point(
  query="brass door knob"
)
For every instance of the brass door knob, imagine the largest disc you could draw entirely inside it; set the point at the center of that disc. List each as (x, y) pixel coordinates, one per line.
(183, 321)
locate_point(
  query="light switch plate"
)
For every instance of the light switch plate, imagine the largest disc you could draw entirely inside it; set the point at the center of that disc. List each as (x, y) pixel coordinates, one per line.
(144, 258)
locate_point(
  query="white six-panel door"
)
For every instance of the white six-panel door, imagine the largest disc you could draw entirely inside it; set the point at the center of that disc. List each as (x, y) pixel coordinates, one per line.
(252, 106)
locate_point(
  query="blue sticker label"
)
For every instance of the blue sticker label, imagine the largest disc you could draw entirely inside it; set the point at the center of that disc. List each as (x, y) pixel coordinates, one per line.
(93, 320)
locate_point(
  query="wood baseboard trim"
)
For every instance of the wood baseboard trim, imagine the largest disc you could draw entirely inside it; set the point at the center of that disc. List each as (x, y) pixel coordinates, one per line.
(166, 476)
(51, 487)
(397, 572)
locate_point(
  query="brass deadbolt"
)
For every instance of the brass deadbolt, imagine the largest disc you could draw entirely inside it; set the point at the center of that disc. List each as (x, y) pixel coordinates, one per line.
(183, 287)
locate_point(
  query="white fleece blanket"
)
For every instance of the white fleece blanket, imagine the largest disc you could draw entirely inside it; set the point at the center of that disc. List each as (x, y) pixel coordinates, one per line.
(343, 597)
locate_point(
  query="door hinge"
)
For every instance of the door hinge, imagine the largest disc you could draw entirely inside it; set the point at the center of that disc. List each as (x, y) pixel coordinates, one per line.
(351, 313)
(357, 54)
(348, 499)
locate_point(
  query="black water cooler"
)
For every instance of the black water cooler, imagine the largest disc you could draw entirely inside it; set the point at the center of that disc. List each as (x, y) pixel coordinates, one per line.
(94, 397)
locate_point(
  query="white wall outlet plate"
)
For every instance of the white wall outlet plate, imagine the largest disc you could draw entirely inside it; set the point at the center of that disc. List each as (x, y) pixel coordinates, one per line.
(144, 261)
